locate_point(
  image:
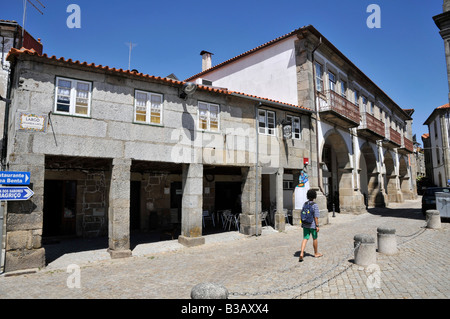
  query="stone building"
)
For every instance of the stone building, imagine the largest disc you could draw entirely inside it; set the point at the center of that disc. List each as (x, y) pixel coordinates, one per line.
(112, 150)
(362, 137)
(438, 145)
(438, 122)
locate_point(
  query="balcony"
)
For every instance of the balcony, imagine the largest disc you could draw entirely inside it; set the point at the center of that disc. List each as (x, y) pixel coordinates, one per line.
(395, 137)
(371, 126)
(407, 146)
(336, 109)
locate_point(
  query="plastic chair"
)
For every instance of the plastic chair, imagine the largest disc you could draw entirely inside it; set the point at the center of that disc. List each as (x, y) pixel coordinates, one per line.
(263, 216)
(205, 216)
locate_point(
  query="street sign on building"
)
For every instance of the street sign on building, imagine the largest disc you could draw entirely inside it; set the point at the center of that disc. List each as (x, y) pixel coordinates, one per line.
(31, 122)
(15, 193)
(15, 178)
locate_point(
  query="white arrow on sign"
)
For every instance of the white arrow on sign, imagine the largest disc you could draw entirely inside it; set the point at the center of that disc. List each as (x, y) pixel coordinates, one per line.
(28, 193)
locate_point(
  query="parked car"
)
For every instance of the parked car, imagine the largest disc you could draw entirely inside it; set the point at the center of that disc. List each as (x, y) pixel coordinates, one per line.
(429, 197)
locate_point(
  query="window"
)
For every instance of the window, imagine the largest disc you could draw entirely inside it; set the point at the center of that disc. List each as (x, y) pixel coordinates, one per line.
(73, 97)
(332, 81)
(288, 184)
(319, 79)
(208, 116)
(371, 111)
(266, 121)
(296, 130)
(344, 89)
(356, 97)
(148, 107)
(364, 102)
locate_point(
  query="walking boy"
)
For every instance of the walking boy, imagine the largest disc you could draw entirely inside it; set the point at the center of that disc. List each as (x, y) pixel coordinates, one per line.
(313, 227)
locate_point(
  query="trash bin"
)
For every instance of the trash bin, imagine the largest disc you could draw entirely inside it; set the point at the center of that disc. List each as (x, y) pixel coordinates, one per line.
(443, 204)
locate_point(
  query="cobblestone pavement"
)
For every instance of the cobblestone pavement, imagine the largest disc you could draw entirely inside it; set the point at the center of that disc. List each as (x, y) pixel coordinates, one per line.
(266, 266)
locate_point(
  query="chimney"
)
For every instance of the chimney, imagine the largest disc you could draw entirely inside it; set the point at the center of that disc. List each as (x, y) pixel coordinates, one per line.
(206, 60)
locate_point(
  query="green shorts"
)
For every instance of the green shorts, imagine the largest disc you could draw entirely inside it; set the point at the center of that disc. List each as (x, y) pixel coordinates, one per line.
(308, 231)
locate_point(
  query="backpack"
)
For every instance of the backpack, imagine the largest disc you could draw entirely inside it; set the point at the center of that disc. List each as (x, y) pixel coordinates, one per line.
(307, 214)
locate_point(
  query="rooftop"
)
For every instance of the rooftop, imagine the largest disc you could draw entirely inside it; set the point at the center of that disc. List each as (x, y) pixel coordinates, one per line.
(16, 53)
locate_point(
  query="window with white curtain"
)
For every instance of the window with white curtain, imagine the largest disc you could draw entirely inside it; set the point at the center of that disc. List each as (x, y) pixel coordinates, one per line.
(208, 116)
(266, 120)
(73, 97)
(319, 77)
(148, 107)
(296, 129)
(332, 81)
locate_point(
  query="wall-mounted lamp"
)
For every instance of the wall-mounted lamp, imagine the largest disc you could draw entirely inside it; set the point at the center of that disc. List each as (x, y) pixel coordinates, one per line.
(187, 89)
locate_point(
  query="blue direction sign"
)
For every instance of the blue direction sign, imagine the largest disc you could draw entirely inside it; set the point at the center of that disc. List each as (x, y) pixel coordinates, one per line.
(15, 178)
(15, 193)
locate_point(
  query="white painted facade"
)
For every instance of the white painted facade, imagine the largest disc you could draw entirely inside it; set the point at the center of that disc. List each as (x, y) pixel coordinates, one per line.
(269, 72)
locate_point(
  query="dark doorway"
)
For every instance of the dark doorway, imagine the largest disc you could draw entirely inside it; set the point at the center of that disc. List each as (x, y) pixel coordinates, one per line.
(59, 208)
(135, 205)
(227, 196)
(176, 195)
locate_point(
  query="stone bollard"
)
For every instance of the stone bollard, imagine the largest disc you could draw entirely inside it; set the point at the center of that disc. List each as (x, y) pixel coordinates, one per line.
(366, 253)
(387, 241)
(209, 290)
(433, 219)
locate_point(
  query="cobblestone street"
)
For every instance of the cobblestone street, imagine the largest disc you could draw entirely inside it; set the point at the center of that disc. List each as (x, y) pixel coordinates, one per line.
(266, 266)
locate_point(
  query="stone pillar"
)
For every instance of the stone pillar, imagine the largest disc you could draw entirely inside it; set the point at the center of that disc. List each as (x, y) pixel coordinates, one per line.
(24, 219)
(387, 241)
(119, 209)
(351, 201)
(280, 220)
(365, 253)
(192, 205)
(249, 224)
(433, 219)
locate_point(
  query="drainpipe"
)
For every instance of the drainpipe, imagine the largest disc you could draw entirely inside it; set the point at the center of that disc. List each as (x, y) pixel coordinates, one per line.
(6, 120)
(317, 113)
(256, 169)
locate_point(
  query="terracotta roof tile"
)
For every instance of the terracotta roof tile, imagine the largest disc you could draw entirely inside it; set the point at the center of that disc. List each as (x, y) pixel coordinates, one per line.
(14, 53)
(445, 106)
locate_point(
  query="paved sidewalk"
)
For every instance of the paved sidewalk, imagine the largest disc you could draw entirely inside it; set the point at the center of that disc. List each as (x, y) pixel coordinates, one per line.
(262, 267)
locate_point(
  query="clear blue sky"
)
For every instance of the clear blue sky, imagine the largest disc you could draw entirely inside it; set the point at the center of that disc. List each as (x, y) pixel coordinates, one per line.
(405, 57)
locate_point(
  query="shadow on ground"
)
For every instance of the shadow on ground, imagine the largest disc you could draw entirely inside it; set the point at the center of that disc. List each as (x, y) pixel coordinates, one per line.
(411, 213)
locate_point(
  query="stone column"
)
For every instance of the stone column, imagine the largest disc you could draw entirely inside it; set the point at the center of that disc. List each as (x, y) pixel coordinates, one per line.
(24, 219)
(191, 206)
(119, 209)
(249, 224)
(280, 220)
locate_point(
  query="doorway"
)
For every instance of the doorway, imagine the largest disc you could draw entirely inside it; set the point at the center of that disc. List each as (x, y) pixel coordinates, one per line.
(135, 205)
(59, 208)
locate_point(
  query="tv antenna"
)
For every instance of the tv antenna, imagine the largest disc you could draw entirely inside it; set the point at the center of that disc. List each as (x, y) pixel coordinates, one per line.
(131, 45)
(25, 11)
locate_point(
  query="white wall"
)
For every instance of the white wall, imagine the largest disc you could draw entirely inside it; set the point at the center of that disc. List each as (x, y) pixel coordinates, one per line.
(269, 73)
